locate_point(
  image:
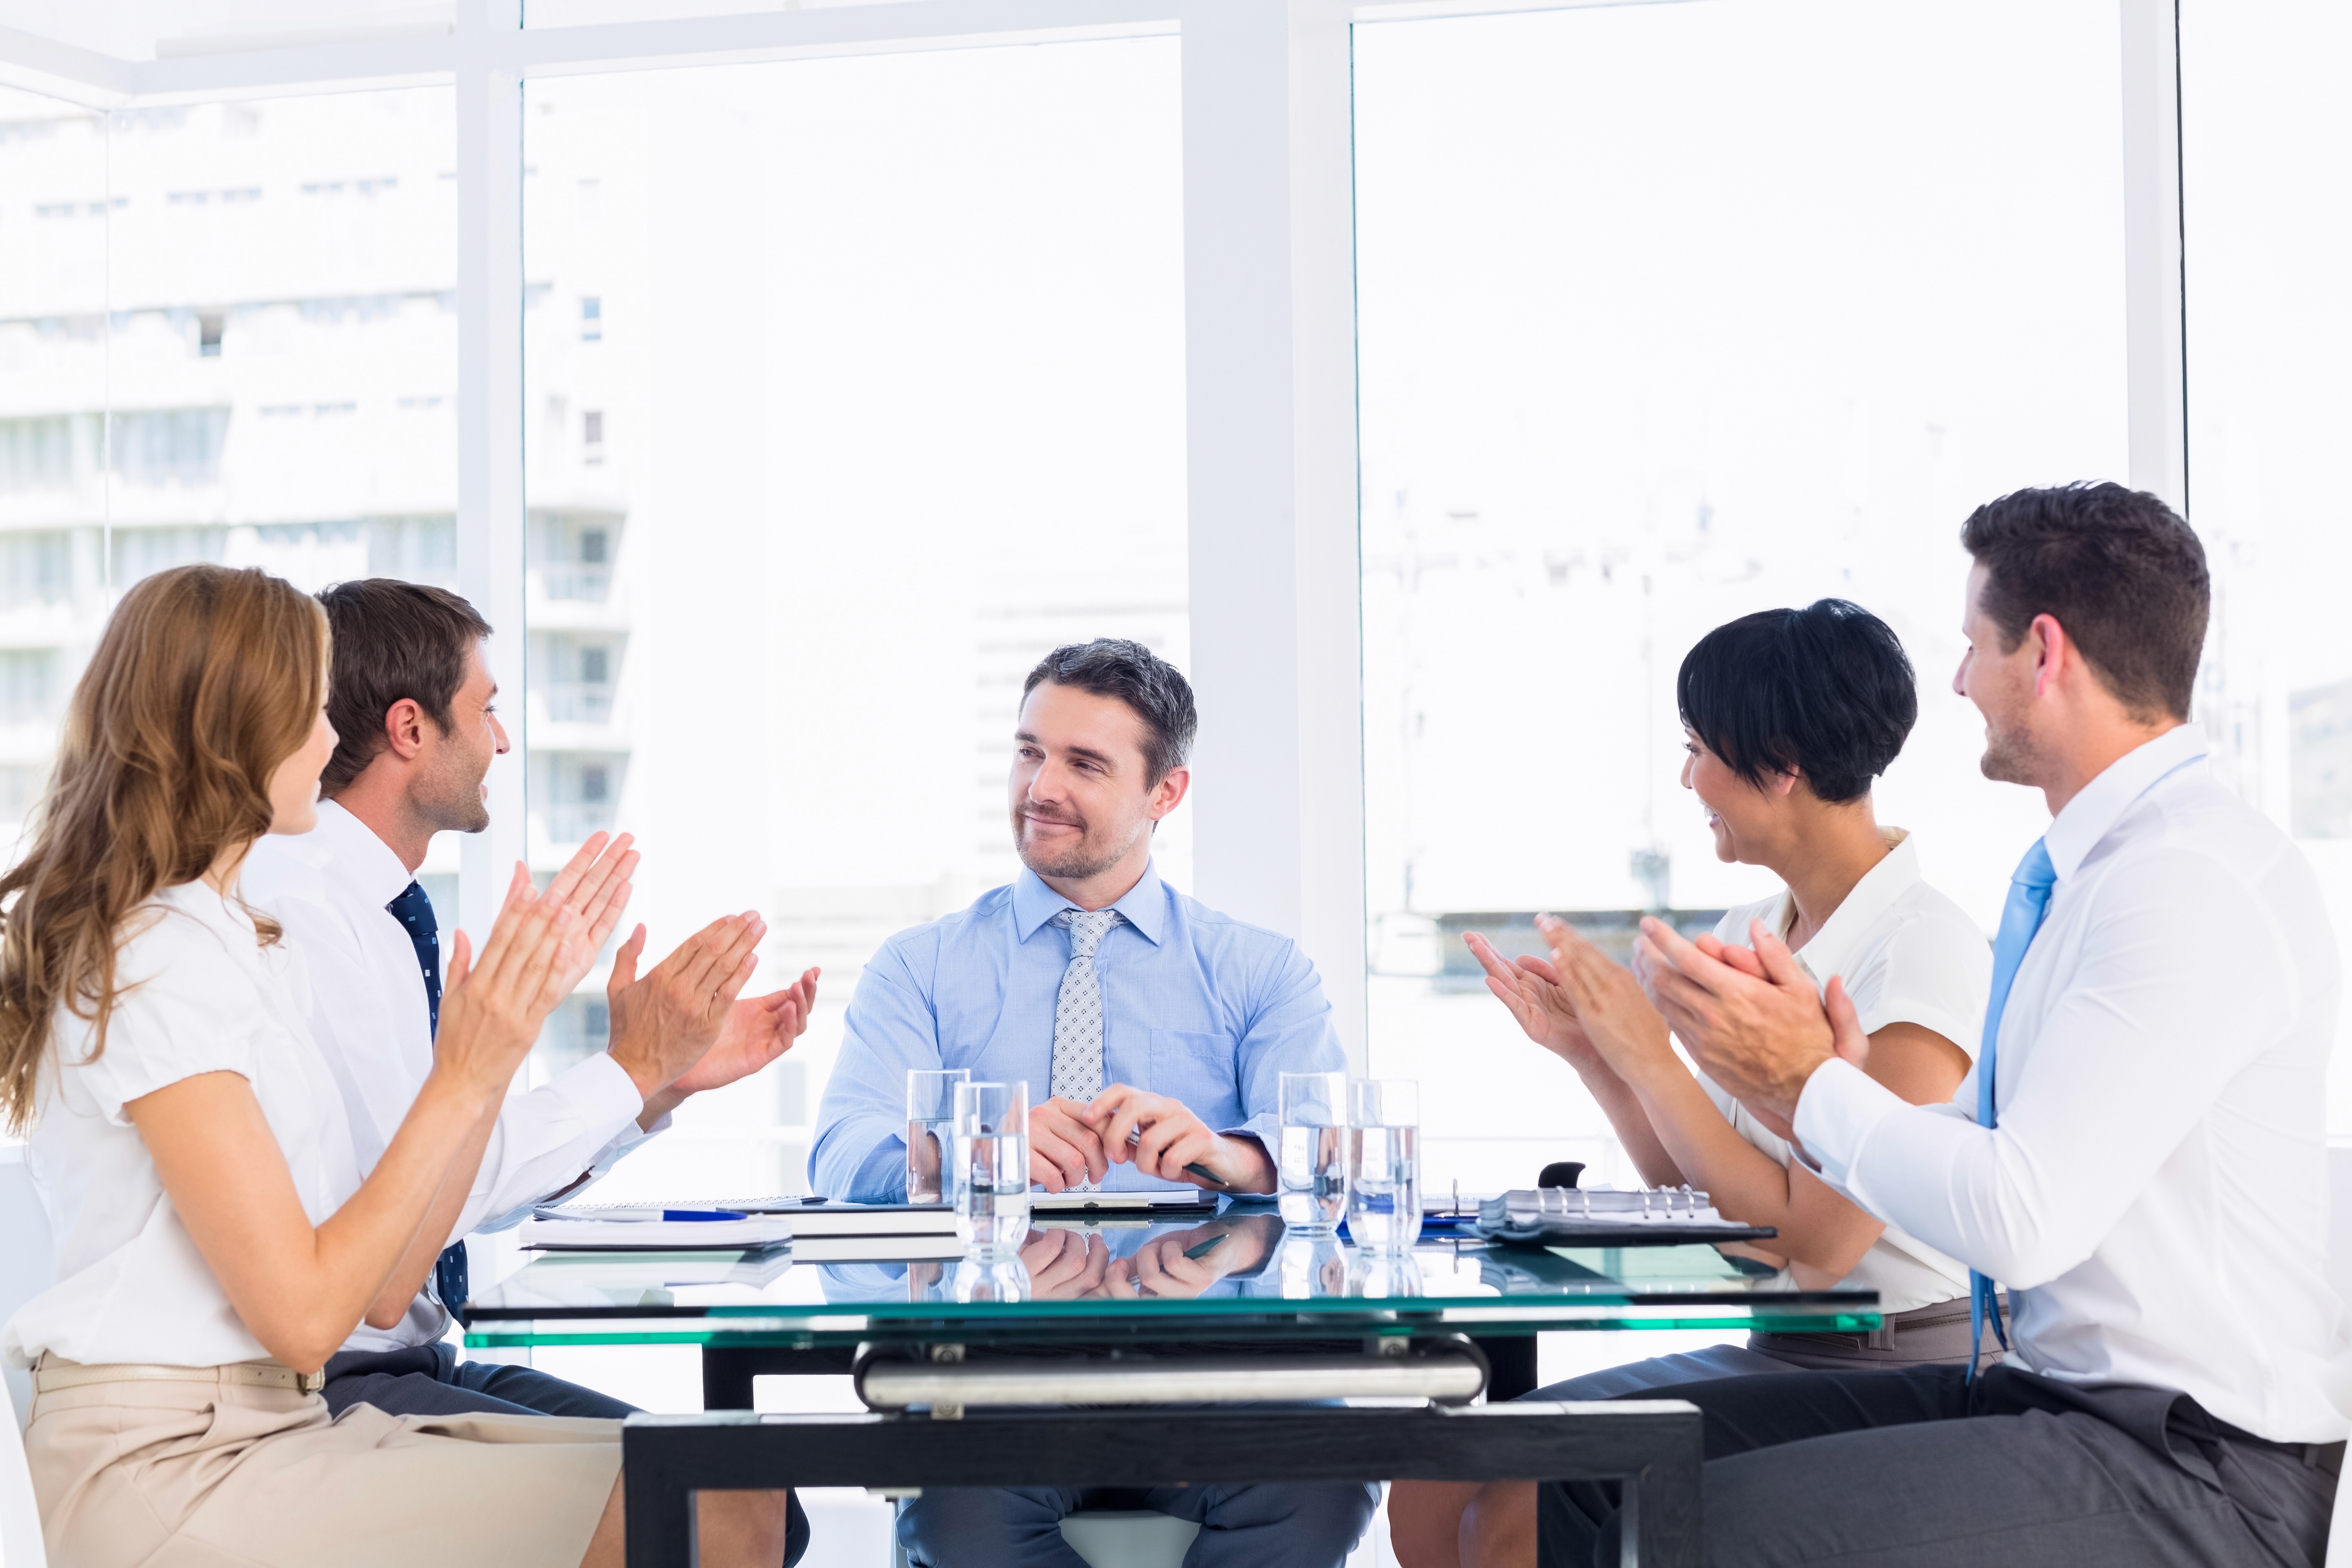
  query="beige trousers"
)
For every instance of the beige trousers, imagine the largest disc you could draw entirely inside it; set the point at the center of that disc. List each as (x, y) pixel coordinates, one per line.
(205, 1474)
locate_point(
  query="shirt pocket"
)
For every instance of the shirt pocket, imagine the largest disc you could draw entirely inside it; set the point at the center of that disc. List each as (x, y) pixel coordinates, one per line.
(1196, 1068)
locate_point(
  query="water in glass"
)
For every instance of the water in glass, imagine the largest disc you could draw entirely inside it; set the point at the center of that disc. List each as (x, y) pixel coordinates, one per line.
(1384, 1187)
(1314, 1177)
(931, 1131)
(992, 1168)
(1384, 1163)
(1311, 1165)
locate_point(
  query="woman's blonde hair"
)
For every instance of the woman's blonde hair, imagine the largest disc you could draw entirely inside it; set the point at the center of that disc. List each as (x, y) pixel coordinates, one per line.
(204, 682)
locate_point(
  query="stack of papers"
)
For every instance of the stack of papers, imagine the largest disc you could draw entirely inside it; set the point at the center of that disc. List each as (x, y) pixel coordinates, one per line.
(816, 1230)
(614, 1227)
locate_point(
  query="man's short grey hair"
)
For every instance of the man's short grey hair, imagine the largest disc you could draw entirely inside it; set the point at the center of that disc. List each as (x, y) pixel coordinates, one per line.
(1154, 689)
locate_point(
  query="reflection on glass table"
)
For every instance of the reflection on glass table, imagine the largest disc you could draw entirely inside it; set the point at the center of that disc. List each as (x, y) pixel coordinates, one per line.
(1240, 1274)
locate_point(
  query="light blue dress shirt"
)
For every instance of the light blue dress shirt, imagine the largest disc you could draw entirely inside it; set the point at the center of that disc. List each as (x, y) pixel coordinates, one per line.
(1196, 1006)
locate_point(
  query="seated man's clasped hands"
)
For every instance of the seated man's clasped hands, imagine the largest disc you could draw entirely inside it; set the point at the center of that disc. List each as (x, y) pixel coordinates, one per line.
(1071, 1146)
(1152, 1033)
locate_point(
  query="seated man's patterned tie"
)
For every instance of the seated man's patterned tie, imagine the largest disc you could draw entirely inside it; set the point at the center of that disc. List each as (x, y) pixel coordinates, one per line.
(1077, 1071)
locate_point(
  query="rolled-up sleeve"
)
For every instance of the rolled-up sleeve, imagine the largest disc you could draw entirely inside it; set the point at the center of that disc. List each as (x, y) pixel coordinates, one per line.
(861, 1141)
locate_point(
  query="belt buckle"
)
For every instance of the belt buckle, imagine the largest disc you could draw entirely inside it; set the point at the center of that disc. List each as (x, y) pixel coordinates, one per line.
(310, 1382)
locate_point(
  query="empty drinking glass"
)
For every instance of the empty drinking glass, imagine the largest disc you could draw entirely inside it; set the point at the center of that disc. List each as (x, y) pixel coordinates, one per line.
(1384, 1163)
(930, 1128)
(1313, 1168)
(992, 1168)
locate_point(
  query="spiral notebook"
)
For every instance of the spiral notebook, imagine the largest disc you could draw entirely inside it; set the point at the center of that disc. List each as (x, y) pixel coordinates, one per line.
(1591, 1216)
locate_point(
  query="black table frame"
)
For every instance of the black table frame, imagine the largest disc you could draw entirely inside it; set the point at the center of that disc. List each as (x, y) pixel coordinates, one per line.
(728, 1370)
(1652, 1447)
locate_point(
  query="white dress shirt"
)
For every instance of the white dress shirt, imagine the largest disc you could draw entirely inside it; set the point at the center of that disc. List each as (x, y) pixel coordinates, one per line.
(2154, 1194)
(1908, 955)
(330, 888)
(201, 995)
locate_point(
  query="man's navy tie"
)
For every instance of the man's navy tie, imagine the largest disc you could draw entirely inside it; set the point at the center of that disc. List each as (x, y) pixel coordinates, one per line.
(414, 910)
(2020, 917)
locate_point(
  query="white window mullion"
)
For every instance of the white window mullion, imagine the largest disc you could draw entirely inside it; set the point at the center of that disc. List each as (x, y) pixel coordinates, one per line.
(2152, 279)
(489, 417)
(1270, 400)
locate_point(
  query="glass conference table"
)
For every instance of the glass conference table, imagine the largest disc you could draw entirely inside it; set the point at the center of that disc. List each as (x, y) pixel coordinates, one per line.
(1268, 1356)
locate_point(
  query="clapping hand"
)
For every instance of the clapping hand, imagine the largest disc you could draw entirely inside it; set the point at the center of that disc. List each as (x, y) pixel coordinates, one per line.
(491, 1010)
(594, 885)
(1753, 1021)
(758, 1029)
(1530, 988)
(1618, 1021)
(664, 1024)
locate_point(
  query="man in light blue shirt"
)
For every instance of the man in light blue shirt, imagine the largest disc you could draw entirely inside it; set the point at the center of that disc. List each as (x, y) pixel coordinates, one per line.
(1132, 1013)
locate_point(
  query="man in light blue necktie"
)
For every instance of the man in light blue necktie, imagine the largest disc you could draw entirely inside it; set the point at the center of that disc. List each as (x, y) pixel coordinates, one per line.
(1152, 1033)
(2141, 1159)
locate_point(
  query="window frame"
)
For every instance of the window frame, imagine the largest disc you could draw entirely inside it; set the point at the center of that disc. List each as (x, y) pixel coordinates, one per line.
(1270, 356)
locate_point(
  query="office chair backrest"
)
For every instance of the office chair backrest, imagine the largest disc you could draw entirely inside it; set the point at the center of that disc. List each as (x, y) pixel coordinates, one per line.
(2339, 1220)
(27, 1265)
(27, 1260)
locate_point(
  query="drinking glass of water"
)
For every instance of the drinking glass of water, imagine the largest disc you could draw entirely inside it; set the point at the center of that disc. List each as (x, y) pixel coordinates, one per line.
(1384, 1163)
(930, 1128)
(992, 1168)
(1313, 1166)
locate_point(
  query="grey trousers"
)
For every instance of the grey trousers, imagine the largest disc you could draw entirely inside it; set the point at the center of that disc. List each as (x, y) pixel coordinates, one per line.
(1277, 1525)
(1917, 1338)
(1917, 1469)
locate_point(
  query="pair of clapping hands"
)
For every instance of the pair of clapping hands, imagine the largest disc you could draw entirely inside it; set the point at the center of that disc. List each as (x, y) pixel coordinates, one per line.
(677, 1030)
(1749, 1016)
(1070, 1143)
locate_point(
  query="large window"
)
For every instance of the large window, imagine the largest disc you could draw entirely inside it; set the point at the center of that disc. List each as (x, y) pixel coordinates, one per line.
(1670, 313)
(852, 387)
(2267, 174)
(227, 333)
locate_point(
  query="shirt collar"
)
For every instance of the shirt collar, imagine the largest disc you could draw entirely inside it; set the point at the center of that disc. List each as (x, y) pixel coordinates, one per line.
(348, 850)
(1895, 874)
(1145, 906)
(2077, 829)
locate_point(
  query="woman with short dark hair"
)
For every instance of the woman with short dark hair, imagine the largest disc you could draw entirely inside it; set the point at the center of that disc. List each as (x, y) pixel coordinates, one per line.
(1789, 715)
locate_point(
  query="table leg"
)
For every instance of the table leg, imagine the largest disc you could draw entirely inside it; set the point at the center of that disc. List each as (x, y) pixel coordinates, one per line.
(657, 1505)
(727, 1375)
(1510, 1367)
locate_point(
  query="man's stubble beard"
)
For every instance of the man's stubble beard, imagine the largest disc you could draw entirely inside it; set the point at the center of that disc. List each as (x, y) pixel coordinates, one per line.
(2011, 754)
(1080, 861)
(452, 798)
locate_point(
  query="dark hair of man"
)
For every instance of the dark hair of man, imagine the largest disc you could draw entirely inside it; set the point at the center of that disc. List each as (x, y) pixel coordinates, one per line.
(2117, 568)
(392, 640)
(1156, 689)
(1824, 693)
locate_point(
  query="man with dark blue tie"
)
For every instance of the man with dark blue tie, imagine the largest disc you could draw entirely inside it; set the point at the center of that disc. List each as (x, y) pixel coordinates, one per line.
(2139, 1157)
(413, 702)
